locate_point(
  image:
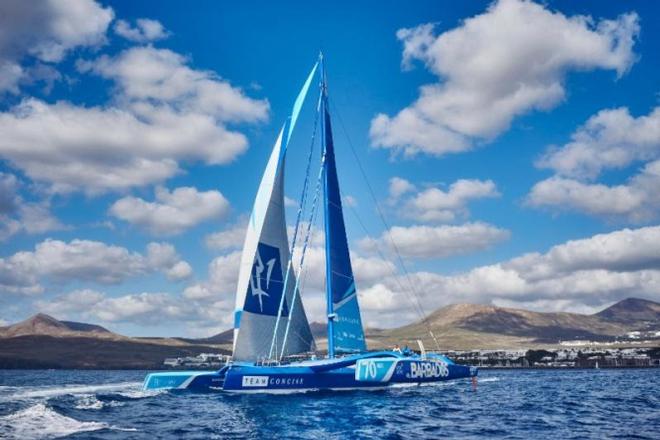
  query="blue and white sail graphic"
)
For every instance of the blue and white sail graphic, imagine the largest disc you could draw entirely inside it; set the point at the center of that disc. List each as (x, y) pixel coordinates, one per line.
(343, 309)
(264, 261)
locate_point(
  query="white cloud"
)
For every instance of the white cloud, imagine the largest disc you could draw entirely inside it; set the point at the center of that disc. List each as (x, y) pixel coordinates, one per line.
(434, 204)
(221, 281)
(290, 203)
(399, 186)
(46, 30)
(144, 31)
(636, 202)
(438, 241)
(8, 193)
(578, 275)
(612, 138)
(163, 256)
(180, 271)
(228, 239)
(143, 309)
(146, 74)
(86, 261)
(18, 215)
(70, 304)
(503, 63)
(172, 212)
(163, 112)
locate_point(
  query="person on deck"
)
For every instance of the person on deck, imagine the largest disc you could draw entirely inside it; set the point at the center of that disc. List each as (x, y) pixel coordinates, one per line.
(397, 349)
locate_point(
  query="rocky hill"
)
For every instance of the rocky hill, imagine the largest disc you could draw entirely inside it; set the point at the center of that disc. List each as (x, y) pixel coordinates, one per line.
(461, 326)
(45, 342)
(636, 312)
(42, 324)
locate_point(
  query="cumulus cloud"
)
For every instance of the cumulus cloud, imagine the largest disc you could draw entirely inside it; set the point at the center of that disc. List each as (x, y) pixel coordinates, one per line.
(164, 257)
(214, 297)
(46, 31)
(228, 239)
(221, 281)
(580, 275)
(290, 203)
(146, 74)
(399, 186)
(18, 215)
(8, 193)
(146, 308)
(611, 139)
(434, 204)
(144, 31)
(163, 112)
(420, 241)
(505, 62)
(85, 261)
(172, 212)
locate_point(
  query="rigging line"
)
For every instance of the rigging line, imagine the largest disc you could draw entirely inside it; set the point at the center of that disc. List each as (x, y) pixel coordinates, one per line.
(382, 218)
(416, 308)
(304, 273)
(314, 210)
(303, 198)
(303, 277)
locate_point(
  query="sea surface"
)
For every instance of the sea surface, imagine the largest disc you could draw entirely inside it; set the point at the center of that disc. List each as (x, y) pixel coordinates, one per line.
(506, 404)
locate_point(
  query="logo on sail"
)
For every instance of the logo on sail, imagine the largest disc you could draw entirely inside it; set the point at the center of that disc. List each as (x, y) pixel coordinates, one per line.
(255, 281)
(265, 289)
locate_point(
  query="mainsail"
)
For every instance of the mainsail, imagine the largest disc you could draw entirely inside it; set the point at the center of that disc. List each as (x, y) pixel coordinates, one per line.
(345, 333)
(264, 262)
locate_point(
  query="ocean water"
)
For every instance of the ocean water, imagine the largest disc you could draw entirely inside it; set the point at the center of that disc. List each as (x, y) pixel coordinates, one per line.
(506, 404)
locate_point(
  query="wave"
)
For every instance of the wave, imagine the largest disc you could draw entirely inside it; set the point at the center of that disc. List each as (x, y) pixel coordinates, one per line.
(91, 401)
(39, 421)
(54, 391)
(139, 393)
(488, 379)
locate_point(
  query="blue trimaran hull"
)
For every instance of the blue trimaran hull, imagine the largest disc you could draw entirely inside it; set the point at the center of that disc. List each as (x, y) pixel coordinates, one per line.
(365, 371)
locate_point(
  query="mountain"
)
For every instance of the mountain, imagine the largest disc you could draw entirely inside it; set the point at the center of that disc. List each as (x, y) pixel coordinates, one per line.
(42, 324)
(45, 342)
(462, 326)
(633, 311)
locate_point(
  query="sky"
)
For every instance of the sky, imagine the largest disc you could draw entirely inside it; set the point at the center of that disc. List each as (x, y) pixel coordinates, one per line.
(513, 149)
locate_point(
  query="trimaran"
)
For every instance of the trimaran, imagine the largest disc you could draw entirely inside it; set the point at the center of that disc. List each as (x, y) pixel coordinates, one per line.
(270, 324)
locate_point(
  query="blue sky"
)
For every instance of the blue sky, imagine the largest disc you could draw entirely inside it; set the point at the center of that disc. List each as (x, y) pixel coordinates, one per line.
(513, 148)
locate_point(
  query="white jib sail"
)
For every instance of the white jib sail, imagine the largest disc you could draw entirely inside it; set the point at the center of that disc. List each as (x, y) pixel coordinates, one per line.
(264, 263)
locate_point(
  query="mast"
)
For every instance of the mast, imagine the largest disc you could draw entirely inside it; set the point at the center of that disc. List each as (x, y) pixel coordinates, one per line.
(328, 270)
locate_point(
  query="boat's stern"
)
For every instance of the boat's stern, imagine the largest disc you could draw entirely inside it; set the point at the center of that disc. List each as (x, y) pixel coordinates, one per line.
(185, 380)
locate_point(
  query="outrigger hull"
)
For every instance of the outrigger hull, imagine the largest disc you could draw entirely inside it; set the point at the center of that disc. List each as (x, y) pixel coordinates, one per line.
(367, 371)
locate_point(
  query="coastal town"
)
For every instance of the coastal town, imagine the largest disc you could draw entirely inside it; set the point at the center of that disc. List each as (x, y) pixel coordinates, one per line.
(569, 355)
(584, 356)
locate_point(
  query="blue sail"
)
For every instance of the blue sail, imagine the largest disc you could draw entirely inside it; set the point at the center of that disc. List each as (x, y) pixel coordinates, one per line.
(346, 334)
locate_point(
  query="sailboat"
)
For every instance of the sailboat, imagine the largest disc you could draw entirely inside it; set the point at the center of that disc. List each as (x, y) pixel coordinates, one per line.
(271, 330)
